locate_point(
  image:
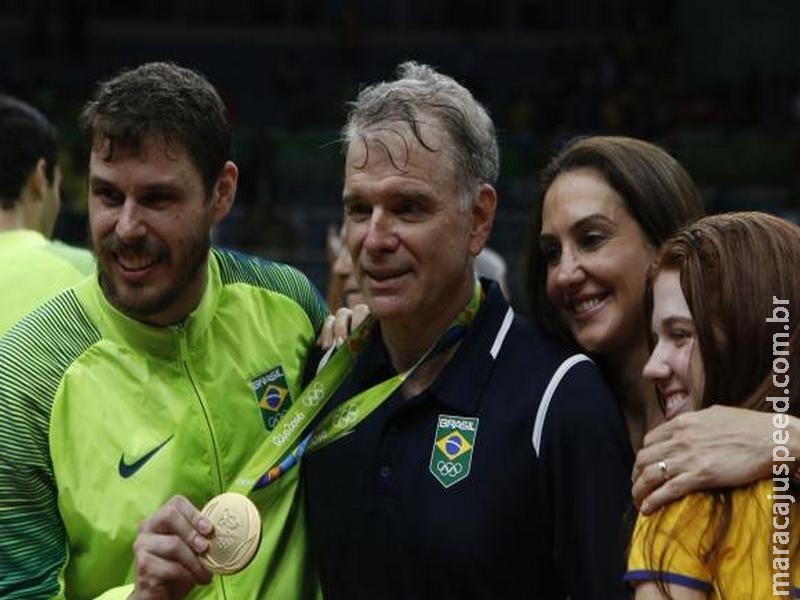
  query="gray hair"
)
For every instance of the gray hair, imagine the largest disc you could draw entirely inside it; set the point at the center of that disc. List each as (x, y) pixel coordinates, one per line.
(421, 91)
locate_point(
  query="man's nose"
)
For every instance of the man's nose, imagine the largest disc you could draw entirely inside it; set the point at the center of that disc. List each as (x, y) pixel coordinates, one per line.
(130, 223)
(381, 235)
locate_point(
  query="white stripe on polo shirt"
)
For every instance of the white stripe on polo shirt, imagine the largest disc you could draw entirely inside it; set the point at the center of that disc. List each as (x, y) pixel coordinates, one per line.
(549, 392)
(501, 334)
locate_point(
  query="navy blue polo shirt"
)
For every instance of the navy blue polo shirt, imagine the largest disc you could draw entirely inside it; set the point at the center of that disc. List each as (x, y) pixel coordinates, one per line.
(536, 508)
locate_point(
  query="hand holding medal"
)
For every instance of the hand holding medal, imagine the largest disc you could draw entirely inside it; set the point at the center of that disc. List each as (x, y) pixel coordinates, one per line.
(236, 536)
(180, 547)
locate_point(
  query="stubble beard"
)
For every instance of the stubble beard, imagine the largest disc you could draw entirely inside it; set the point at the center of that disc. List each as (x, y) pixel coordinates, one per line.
(143, 309)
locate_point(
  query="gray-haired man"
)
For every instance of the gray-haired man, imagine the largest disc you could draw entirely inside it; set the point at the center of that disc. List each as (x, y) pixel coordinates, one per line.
(478, 475)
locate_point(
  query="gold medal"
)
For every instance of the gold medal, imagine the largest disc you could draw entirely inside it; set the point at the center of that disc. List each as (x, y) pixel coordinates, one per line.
(237, 533)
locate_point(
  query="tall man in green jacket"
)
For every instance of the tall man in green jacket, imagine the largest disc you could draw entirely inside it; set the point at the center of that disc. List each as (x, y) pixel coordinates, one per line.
(135, 397)
(32, 268)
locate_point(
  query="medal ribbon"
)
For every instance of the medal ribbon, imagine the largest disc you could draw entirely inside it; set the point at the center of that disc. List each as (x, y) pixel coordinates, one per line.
(275, 450)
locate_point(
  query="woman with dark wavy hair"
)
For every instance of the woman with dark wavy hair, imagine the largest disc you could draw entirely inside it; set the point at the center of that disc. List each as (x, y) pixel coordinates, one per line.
(606, 204)
(723, 298)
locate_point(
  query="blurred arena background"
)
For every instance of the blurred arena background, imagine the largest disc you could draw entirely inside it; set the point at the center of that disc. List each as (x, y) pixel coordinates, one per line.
(716, 82)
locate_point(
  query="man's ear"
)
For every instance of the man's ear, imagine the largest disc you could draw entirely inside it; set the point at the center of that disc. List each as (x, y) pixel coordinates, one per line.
(37, 181)
(224, 192)
(483, 211)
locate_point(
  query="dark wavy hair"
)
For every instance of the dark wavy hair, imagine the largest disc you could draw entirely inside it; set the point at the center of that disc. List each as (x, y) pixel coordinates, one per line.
(25, 137)
(656, 189)
(161, 100)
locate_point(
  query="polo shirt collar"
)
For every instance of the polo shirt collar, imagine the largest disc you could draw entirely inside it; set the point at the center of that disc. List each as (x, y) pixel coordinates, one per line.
(162, 342)
(460, 384)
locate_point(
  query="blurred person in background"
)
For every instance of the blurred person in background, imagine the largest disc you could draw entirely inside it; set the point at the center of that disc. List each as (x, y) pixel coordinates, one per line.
(32, 267)
(491, 265)
(343, 288)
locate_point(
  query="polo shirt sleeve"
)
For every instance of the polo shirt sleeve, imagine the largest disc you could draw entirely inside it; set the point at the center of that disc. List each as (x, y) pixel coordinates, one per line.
(668, 545)
(582, 443)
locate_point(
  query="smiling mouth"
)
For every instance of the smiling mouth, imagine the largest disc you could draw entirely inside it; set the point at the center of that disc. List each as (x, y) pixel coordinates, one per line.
(588, 307)
(675, 402)
(136, 262)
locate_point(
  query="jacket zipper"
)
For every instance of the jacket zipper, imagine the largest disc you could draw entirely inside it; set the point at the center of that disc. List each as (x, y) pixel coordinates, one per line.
(184, 352)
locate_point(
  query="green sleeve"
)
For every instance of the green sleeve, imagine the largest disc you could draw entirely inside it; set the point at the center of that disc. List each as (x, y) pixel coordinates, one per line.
(33, 357)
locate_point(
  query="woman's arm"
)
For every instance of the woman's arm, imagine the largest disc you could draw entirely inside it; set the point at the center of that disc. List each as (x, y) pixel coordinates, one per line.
(719, 446)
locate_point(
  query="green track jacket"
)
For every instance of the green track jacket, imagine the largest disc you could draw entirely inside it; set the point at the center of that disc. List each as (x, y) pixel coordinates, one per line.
(103, 419)
(34, 269)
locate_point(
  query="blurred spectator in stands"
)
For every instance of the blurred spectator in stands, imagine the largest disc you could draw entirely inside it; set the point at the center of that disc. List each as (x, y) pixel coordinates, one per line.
(490, 264)
(343, 288)
(32, 268)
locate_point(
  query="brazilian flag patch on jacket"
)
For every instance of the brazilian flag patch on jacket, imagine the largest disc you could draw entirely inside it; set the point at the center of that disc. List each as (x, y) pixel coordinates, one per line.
(273, 396)
(453, 445)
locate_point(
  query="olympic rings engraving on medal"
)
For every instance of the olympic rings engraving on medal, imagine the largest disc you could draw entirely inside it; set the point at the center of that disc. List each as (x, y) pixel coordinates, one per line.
(449, 469)
(237, 533)
(228, 519)
(314, 395)
(346, 417)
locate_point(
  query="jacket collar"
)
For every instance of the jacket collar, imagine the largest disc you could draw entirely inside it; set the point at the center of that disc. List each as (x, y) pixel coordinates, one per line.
(167, 343)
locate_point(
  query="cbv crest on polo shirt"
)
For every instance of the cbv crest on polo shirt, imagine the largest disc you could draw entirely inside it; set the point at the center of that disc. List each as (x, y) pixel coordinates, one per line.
(453, 445)
(273, 396)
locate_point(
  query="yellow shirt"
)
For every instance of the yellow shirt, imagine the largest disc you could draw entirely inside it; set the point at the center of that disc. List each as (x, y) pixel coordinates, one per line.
(671, 545)
(34, 269)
